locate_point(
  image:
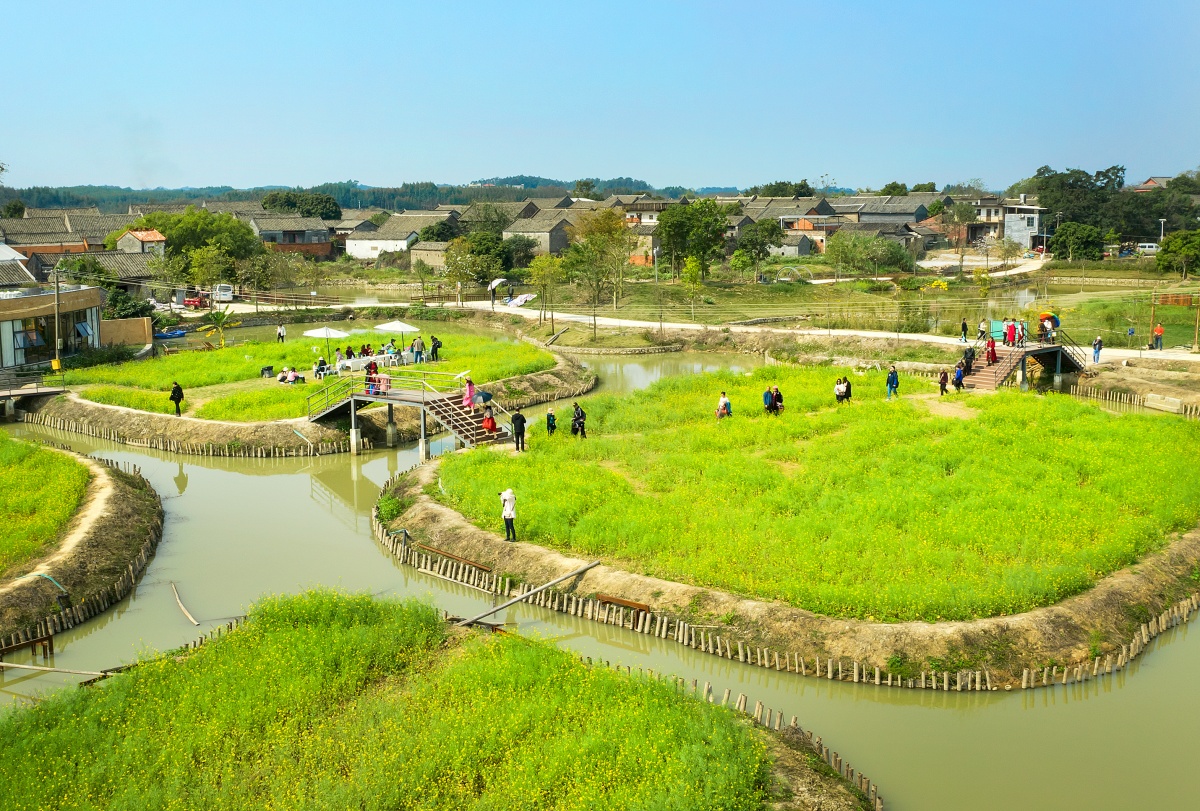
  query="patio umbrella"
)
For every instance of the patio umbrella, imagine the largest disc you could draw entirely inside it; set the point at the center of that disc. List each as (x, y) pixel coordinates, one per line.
(326, 333)
(496, 283)
(397, 326)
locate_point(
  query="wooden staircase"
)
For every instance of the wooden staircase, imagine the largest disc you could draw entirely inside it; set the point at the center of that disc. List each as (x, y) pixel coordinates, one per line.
(990, 378)
(465, 424)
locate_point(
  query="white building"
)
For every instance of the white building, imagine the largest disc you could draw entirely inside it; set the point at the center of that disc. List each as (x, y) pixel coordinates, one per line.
(398, 233)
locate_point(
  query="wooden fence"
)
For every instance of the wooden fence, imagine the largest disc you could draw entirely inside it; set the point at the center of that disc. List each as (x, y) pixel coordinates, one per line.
(1129, 400)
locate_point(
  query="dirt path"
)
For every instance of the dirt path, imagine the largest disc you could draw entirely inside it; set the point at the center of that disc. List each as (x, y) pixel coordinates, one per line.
(95, 504)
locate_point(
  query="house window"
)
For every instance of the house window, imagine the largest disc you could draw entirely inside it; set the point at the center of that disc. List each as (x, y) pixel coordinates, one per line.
(1029, 221)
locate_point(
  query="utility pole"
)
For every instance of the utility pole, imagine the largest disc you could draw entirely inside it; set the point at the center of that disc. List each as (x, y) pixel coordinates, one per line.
(57, 325)
(1162, 230)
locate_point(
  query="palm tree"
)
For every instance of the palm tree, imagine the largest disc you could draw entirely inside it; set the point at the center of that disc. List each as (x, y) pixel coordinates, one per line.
(218, 322)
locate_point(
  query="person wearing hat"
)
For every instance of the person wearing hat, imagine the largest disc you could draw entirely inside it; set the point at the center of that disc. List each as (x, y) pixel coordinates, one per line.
(551, 422)
(508, 511)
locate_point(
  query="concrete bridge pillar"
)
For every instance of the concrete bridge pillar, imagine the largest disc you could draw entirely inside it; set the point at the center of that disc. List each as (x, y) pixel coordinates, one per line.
(391, 427)
(423, 442)
(1023, 375)
(355, 431)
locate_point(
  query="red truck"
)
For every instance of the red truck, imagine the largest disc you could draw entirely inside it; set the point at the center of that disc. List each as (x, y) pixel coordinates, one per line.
(196, 301)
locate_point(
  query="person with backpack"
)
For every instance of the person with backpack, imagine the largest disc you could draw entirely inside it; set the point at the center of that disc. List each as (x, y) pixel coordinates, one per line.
(518, 426)
(176, 397)
(893, 383)
(551, 422)
(943, 379)
(434, 346)
(579, 422)
(958, 377)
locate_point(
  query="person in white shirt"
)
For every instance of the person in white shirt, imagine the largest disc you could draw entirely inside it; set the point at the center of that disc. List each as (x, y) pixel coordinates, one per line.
(508, 502)
(724, 407)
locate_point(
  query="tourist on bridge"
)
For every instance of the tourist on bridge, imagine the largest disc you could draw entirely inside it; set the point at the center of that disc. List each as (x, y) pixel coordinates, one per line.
(518, 426)
(1020, 333)
(579, 422)
(984, 329)
(551, 422)
(489, 420)
(964, 330)
(893, 383)
(1097, 345)
(1010, 332)
(943, 379)
(992, 357)
(468, 400)
(968, 359)
(508, 511)
(724, 407)
(1158, 335)
(176, 397)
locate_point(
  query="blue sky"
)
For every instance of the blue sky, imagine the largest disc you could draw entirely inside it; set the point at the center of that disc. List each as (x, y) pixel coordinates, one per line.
(689, 93)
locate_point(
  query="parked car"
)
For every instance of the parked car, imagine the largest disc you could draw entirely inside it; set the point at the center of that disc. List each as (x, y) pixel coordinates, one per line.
(223, 293)
(1147, 248)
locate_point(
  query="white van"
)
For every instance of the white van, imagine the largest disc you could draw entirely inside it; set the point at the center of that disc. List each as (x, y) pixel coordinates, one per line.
(1147, 248)
(223, 293)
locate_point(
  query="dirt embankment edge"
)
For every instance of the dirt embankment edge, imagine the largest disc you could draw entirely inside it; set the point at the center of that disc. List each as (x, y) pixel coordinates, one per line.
(103, 552)
(1098, 621)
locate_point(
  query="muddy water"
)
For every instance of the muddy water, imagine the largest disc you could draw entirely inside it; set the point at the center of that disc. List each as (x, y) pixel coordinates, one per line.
(238, 529)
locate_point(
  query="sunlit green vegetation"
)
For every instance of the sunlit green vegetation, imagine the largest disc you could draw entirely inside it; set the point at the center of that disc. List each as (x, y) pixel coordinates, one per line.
(40, 490)
(145, 384)
(333, 701)
(873, 509)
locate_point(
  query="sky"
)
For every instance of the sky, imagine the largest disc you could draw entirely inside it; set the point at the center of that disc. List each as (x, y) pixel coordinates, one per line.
(675, 93)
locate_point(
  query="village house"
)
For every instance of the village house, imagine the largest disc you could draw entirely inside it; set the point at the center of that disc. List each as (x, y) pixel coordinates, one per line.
(734, 223)
(793, 245)
(399, 233)
(28, 332)
(42, 234)
(1151, 184)
(307, 235)
(545, 203)
(646, 247)
(1023, 221)
(548, 229)
(142, 241)
(431, 253)
(645, 211)
(33, 213)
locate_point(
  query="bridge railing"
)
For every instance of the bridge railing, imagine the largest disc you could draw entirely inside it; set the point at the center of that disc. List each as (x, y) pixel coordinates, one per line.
(32, 381)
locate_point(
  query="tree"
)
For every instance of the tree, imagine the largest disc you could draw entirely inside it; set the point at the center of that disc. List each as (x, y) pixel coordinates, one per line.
(974, 187)
(609, 241)
(465, 267)
(783, 188)
(1179, 251)
(955, 220)
(306, 204)
(1077, 241)
(488, 217)
(443, 231)
(170, 269)
(895, 187)
(692, 277)
(1112, 237)
(519, 251)
(845, 250)
(196, 228)
(588, 269)
(546, 272)
(209, 265)
(706, 236)
(1008, 249)
(923, 187)
(423, 271)
(935, 208)
(742, 261)
(674, 225)
(257, 273)
(379, 218)
(13, 210)
(585, 188)
(1186, 182)
(489, 245)
(217, 321)
(758, 238)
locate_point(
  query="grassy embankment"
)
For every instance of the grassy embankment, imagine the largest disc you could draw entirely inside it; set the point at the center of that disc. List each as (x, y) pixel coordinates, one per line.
(328, 700)
(225, 384)
(40, 491)
(873, 510)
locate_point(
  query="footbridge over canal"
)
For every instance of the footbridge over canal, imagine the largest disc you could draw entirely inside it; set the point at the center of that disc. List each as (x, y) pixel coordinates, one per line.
(438, 396)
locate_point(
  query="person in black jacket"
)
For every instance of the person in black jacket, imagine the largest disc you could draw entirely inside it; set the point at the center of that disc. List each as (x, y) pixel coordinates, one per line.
(176, 396)
(518, 426)
(579, 422)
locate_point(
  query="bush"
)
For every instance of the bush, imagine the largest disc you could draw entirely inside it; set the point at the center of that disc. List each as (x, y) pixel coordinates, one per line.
(98, 357)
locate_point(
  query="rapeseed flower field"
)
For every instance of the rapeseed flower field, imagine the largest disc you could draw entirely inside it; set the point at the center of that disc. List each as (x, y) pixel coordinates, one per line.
(40, 490)
(872, 509)
(328, 700)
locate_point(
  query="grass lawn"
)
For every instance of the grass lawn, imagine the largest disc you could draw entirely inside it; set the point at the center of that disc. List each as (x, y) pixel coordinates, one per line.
(327, 700)
(225, 384)
(39, 492)
(872, 510)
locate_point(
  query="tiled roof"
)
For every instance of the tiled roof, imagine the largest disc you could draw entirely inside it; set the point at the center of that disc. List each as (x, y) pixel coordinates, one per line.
(122, 265)
(400, 227)
(37, 225)
(238, 207)
(544, 203)
(13, 273)
(32, 213)
(151, 235)
(272, 222)
(166, 208)
(542, 223)
(430, 246)
(524, 208)
(646, 229)
(97, 226)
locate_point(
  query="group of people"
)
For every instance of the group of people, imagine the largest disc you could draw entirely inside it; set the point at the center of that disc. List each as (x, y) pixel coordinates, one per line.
(289, 376)
(944, 379)
(772, 401)
(417, 347)
(843, 390)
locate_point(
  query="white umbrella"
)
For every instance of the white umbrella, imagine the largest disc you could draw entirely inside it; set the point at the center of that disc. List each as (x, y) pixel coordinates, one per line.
(496, 283)
(396, 326)
(326, 333)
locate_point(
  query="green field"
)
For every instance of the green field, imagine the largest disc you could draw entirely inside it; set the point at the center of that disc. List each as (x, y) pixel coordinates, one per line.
(872, 510)
(327, 700)
(40, 490)
(225, 385)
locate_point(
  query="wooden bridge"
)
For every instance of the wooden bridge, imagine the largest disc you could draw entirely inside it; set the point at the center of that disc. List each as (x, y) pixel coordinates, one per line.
(1061, 355)
(438, 395)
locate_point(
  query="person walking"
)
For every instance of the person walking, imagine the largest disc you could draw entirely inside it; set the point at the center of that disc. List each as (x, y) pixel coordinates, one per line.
(418, 350)
(776, 399)
(176, 397)
(468, 400)
(964, 330)
(1019, 332)
(518, 426)
(1158, 337)
(992, 357)
(579, 422)
(434, 346)
(551, 422)
(983, 329)
(769, 401)
(958, 377)
(489, 420)
(943, 379)
(1097, 345)
(849, 388)
(839, 390)
(724, 408)
(968, 359)
(1010, 332)
(893, 383)
(508, 511)
(280, 332)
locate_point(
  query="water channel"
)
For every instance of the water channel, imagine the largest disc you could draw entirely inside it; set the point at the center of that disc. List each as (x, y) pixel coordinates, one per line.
(238, 529)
